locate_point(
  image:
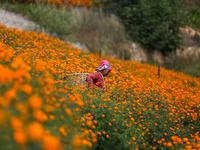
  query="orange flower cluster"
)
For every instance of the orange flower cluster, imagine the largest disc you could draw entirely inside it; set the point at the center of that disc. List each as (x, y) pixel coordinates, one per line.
(83, 3)
(37, 102)
(28, 97)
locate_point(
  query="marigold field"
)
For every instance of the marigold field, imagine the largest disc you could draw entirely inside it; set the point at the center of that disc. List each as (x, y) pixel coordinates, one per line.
(40, 110)
(82, 3)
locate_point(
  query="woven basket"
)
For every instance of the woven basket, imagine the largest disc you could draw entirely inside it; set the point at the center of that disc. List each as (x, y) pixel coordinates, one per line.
(77, 78)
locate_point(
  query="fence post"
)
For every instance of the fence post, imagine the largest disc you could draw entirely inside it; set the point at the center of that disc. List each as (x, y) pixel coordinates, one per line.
(158, 71)
(100, 53)
(122, 54)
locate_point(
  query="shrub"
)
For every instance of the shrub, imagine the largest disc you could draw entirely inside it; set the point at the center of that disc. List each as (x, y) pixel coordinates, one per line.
(155, 24)
(57, 22)
(193, 17)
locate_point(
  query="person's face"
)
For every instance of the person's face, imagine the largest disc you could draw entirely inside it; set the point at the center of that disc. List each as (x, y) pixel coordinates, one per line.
(105, 72)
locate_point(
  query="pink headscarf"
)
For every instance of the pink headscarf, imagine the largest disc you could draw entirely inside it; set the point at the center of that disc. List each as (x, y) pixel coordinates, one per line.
(104, 65)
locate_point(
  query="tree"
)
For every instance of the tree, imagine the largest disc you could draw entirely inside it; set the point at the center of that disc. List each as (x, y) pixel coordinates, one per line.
(154, 24)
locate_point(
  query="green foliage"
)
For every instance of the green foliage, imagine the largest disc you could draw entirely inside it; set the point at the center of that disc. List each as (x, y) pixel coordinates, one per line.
(155, 24)
(16, 8)
(190, 3)
(56, 21)
(125, 54)
(193, 17)
(76, 25)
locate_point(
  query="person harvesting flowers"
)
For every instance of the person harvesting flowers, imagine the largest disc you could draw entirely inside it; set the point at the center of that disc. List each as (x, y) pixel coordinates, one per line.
(97, 78)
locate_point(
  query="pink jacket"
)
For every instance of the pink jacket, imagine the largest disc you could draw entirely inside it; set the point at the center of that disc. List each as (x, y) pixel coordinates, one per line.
(95, 78)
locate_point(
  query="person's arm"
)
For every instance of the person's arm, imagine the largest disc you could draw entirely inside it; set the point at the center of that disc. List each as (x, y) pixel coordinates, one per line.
(90, 79)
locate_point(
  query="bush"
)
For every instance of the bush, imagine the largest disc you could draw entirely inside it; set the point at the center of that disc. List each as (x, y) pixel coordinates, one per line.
(193, 17)
(125, 54)
(190, 3)
(16, 8)
(57, 22)
(155, 24)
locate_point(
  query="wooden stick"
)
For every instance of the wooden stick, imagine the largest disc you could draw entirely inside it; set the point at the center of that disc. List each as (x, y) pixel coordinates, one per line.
(158, 71)
(100, 53)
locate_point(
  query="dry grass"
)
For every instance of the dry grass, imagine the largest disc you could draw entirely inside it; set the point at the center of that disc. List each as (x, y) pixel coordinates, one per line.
(187, 65)
(98, 30)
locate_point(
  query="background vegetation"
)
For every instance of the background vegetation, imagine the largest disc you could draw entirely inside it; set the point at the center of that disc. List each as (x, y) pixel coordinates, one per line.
(154, 24)
(193, 17)
(109, 32)
(75, 24)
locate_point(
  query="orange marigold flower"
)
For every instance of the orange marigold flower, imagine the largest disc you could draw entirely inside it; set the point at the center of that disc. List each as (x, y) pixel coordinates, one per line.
(27, 88)
(35, 102)
(16, 123)
(49, 108)
(89, 144)
(94, 140)
(69, 112)
(40, 115)
(185, 139)
(93, 135)
(86, 132)
(76, 142)
(62, 131)
(52, 117)
(80, 103)
(20, 136)
(169, 144)
(10, 93)
(89, 123)
(51, 143)
(35, 131)
(93, 106)
(84, 142)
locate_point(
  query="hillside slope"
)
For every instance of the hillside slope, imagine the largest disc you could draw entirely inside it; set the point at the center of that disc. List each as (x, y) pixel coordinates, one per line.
(139, 111)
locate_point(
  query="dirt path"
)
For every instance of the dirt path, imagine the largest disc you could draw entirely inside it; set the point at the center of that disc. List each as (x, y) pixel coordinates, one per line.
(17, 21)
